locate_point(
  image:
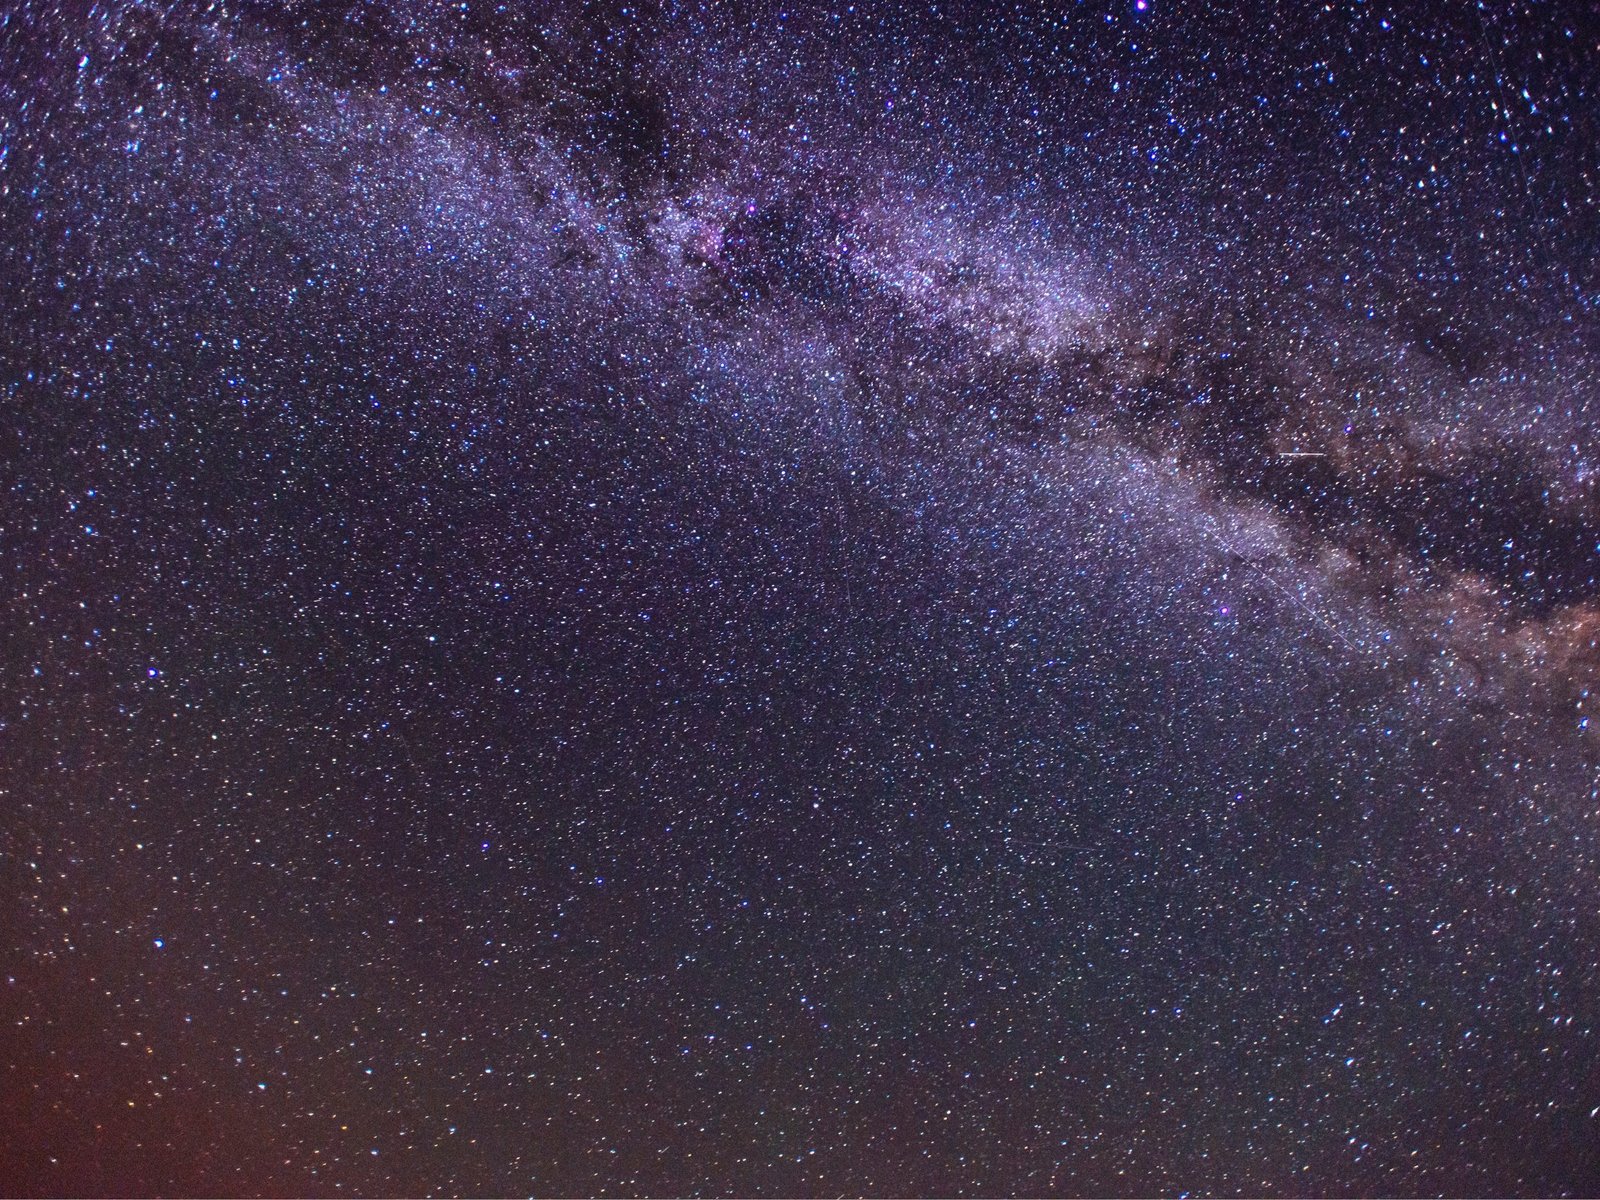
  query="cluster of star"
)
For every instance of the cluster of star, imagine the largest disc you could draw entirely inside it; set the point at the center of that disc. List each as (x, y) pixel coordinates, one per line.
(667, 599)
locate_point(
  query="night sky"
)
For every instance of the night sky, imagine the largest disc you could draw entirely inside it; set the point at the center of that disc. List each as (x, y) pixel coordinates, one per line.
(879, 599)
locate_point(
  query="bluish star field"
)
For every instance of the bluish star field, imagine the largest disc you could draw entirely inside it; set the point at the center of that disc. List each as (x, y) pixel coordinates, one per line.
(800, 600)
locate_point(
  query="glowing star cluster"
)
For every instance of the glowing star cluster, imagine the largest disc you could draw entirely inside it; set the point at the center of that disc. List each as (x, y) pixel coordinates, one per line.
(799, 600)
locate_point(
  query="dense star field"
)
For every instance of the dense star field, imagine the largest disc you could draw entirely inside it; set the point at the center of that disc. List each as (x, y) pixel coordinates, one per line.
(650, 599)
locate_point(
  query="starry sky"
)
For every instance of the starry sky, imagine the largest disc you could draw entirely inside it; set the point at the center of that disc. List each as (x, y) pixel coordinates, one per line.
(759, 599)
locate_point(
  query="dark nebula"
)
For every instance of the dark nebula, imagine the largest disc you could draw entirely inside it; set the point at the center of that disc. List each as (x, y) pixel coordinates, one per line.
(954, 599)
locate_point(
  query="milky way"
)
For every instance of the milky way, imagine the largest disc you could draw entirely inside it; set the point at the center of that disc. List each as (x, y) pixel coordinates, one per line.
(652, 600)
